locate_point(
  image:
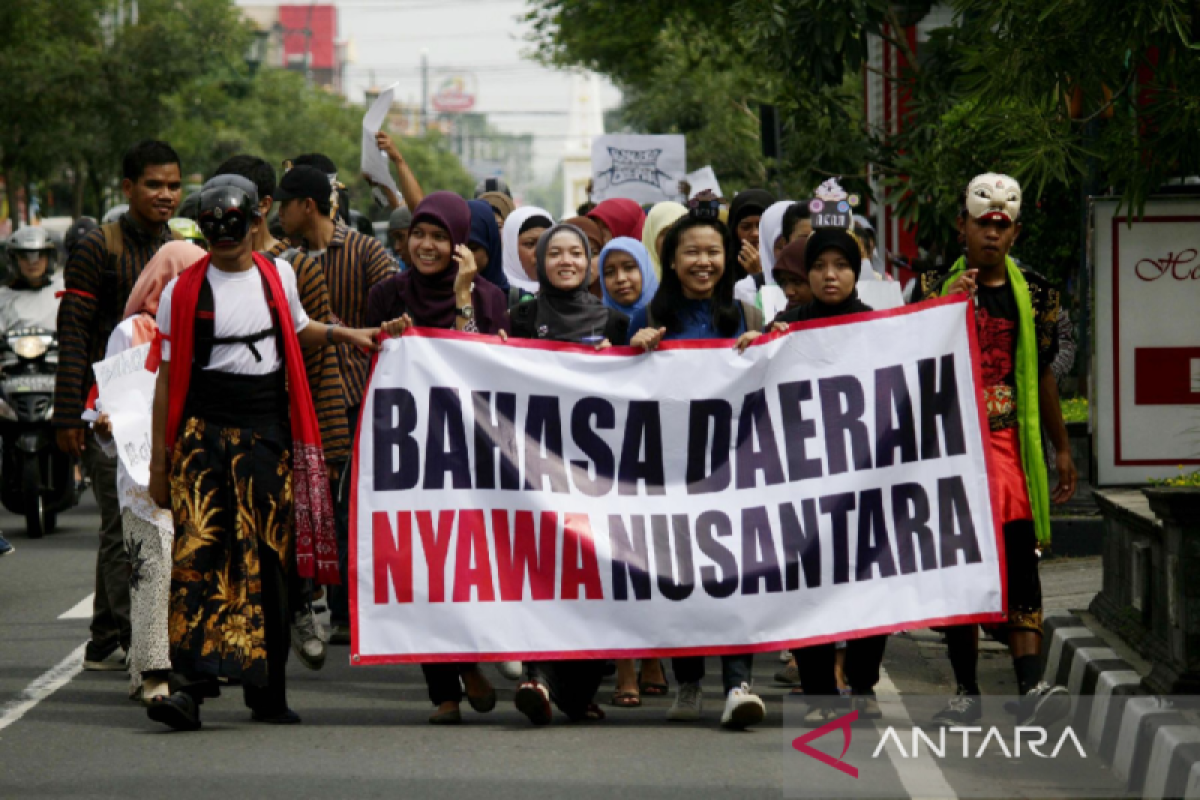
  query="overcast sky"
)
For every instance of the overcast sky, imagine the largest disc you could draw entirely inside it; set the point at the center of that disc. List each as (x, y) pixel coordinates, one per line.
(482, 36)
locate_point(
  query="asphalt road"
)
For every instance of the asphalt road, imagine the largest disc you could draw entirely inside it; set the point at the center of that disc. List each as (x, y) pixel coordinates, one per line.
(364, 733)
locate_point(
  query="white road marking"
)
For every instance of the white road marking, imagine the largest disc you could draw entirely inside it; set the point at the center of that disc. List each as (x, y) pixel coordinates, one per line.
(921, 777)
(81, 610)
(47, 684)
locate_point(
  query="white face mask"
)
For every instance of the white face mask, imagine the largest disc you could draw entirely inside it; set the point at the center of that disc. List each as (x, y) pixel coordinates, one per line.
(992, 196)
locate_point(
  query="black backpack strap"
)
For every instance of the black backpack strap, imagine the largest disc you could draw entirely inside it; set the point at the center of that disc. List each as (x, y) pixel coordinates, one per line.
(205, 327)
(760, 280)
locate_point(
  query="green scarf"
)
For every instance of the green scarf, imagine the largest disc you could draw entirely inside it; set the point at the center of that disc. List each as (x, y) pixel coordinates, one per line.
(1029, 427)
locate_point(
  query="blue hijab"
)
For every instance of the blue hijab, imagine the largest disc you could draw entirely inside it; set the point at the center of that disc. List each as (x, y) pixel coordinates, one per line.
(485, 234)
(649, 280)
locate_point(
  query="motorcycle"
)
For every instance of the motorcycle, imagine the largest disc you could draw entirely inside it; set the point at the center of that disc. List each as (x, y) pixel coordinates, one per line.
(37, 479)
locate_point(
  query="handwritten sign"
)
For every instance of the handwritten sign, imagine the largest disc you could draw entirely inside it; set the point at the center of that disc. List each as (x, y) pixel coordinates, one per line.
(127, 396)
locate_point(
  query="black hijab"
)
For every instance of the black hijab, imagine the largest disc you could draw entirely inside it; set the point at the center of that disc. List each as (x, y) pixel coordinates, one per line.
(823, 240)
(567, 315)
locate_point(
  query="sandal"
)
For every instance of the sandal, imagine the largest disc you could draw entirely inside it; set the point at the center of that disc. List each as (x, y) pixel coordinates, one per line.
(533, 700)
(652, 689)
(626, 700)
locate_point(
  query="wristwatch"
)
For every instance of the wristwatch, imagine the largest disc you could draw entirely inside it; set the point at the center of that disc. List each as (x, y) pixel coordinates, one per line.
(466, 312)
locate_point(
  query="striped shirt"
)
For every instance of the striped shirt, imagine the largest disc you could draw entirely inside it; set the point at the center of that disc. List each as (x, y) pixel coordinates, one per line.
(353, 263)
(97, 288)
(321, 363)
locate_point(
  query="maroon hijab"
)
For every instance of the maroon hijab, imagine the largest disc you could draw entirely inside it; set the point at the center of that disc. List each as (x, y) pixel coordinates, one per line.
(429, 299)
(622, 216)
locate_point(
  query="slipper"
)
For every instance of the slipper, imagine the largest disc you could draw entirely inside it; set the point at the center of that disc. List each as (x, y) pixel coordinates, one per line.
(652, 689)
(593, 714)
(533, 700)
(177, 711)
(626, 700)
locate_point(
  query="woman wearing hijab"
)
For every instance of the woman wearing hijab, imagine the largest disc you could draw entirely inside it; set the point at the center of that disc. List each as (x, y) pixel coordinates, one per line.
(626, 278)
(661, 217)
(502, 206)
(442, 289)
(485, 244)
(760, 288)
(695, 301)
(148, 530)
(790, 275)
(520, 236)
(744, 214)
(564, 310)
(619, 217)
(596, 242)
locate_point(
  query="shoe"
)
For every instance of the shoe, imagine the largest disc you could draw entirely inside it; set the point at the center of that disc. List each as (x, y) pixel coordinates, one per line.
(483, 699)
(513, 670)
(743, 708)
(689, 702)
(533, 700)
(285, 717)
(963, 709)
(451, 717)
(867, 706)
(1043, 705)
(151, 690)
(339, 634)
(6, 547)
(306, 640)
(788, 676)
(178, 711)
(98, 658)
(819, 711)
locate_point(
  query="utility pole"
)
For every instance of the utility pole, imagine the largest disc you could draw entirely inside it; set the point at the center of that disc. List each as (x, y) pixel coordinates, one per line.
(424, 91)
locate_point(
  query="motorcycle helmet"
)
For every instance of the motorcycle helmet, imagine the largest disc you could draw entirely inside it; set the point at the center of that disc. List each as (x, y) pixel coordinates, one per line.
(79, 229)
(190, 207)
(114, 213)
(228, 206)
(29, 243)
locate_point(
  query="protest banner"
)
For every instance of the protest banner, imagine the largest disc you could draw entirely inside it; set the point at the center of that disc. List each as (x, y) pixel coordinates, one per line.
(126, 393)
(532, 500)
(645, 169)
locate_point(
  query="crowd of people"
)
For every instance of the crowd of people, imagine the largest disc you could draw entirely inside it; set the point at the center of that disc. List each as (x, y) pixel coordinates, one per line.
(260, 309)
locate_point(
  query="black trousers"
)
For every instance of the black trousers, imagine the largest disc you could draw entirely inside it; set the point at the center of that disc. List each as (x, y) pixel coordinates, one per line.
(573, 684)
(863, 659)
(444, 682)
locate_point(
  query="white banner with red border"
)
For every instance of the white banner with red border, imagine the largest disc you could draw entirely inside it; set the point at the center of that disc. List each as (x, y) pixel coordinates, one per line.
(531, 500)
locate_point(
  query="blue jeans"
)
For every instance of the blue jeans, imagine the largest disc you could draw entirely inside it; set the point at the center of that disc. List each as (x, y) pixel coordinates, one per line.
(735, 669)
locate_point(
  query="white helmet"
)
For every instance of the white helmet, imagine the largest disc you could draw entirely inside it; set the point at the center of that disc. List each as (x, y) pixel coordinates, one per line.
(31, 239)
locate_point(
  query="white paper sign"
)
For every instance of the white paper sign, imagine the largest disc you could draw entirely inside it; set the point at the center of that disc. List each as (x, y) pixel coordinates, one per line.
(127, 396)
(701, 179)
(534, 500)
(645, 169)
(374, 162)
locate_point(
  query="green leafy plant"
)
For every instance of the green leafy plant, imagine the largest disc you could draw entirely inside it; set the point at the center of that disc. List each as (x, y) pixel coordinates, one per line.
(1075, 409)
(1183, 479)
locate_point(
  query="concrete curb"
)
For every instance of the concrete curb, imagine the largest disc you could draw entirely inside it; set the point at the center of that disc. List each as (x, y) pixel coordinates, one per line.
(1148, 743)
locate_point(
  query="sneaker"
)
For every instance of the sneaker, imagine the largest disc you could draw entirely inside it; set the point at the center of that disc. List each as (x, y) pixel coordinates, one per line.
(339, 634)
(6, 547)
(1043, 705)
(105, 658)
(689, 702)
(821, 710)
(306, 640)
(533, 700)
(867, 706)
(510, 669)
(963, 709)
(743, 708)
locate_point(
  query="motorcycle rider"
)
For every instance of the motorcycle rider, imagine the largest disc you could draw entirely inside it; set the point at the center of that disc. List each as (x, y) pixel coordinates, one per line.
(28, 301)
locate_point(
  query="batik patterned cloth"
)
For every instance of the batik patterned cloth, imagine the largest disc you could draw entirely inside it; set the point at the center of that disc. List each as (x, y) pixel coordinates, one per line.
(231, 491)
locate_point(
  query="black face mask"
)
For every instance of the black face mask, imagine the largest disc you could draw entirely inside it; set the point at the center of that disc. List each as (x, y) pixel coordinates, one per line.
(224, 226)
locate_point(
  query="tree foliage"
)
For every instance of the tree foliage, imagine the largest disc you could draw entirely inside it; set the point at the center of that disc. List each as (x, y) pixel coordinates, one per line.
(1050, 91)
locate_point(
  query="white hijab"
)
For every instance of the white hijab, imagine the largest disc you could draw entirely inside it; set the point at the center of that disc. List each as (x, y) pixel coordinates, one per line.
(770, 228)
(512, 254)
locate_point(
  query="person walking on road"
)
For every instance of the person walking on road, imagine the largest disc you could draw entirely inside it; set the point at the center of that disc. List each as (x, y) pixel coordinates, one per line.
(99, 276)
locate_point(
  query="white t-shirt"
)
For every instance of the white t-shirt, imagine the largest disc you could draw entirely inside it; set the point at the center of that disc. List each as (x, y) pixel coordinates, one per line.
(240, 307)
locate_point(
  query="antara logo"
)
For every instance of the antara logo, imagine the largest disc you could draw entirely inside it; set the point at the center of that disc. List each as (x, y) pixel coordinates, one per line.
(1032, 738)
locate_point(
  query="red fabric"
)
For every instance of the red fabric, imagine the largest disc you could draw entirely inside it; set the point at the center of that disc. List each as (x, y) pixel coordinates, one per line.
(316, 543)
(622, 216)
(80, 292)
(1009, 476)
